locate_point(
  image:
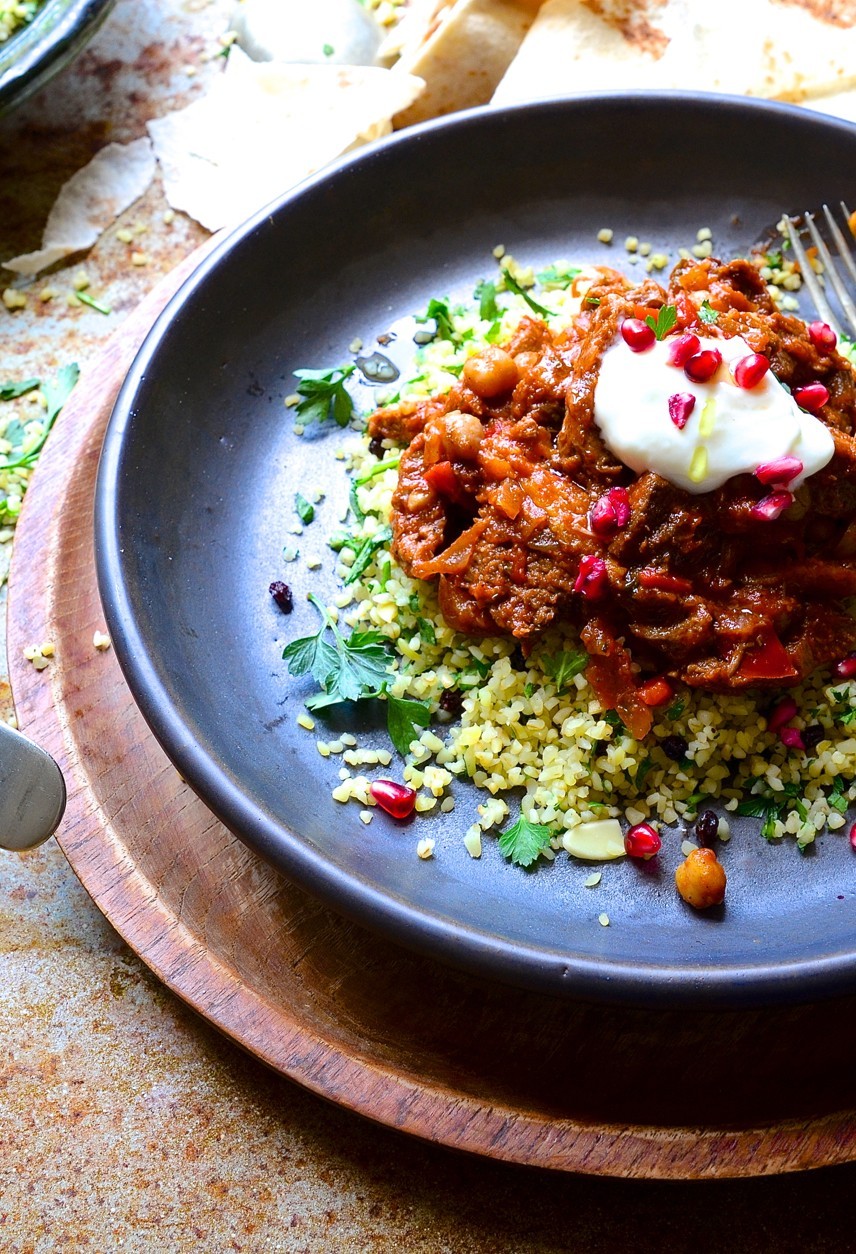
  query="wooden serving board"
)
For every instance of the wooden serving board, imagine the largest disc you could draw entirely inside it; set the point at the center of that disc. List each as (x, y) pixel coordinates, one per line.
(499, 1072)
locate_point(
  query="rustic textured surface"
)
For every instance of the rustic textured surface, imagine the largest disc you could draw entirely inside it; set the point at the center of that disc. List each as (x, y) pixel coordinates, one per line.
(125, 1122)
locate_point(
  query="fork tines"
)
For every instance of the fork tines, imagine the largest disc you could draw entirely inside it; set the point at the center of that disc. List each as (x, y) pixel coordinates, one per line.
(831, 268)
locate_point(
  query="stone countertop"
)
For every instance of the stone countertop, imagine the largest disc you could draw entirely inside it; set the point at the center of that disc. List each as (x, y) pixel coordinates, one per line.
(126, 1122)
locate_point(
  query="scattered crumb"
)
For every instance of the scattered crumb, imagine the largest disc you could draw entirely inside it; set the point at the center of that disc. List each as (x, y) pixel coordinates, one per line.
(366, 816)
(472, 841)
(47, 649)
(592, 880)
(168, 217)
(499, 251)
(124, 236)
(139, 259)
(605, 235)
(425, 848)
(687, 847)
(304, 720)
(81, 281)
(13, 299)
(101, 641)
(603, 920)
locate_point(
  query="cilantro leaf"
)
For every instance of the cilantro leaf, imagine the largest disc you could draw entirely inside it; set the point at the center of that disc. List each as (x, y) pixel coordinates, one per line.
(666, 318)
(305, 510)
(367, 551)
(323, 394)
(524, 842)
(402, 719)
(512, 285)
(562, 667)
(707, 313)
(440, 312)
(347, 670)
(485, 294)
(9, 391)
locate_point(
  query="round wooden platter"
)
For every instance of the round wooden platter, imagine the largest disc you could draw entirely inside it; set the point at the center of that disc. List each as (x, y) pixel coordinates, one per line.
(492, 1070)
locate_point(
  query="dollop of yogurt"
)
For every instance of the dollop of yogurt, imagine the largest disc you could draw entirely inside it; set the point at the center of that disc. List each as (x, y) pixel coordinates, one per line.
(731, 430)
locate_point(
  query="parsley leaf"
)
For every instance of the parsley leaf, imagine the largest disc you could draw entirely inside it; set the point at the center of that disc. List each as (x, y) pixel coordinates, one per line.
(642, 771)
(305, 510)
(512, 285)
(562, 667)
(9, 391)
(707, 313)
(367, 551)
(56, 392)
(524, 842)
(426, 631)
(323, 393)
(557, 276)
(347, 670)
(666, 318)
(753, 807)
(676, 710)
(402, 719)
(836, 796)
(439, 311)
(485, 294)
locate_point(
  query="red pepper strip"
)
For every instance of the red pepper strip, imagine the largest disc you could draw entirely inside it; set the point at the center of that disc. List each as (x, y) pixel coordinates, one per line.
(645, 311)
(769, 660)
(656, 692)
(662, 581)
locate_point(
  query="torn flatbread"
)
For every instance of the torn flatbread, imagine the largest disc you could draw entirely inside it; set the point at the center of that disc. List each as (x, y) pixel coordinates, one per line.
(464, 50)
(781, 49)
(264, 127)
(90, 202)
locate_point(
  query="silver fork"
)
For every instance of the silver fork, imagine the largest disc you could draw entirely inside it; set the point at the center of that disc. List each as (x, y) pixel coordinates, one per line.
(832, 271)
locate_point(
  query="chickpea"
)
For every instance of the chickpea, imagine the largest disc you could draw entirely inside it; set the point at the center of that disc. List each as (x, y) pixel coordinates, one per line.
(462, 436)
(491, 372)
(701, 880)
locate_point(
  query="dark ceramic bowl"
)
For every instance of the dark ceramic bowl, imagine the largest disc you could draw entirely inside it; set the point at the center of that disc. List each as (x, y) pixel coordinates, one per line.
(39, 50)
(195, 504)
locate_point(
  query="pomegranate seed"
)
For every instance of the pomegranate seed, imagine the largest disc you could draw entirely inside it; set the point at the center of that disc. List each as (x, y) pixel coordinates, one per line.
(704, 365)
(603, 518)
(822, 336)
(749, 371)
(853, 836)
(397, 799)
(592, 579)
(781, 714)
(771, 506)
(781, 471)
(812, 397)
(846, 668)
(791, 737)
(642, 841)
(681, 405)
(637, 335)
(682, 349)
(621, 504)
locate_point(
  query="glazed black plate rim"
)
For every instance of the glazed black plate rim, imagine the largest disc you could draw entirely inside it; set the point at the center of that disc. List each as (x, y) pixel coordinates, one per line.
(528, 965)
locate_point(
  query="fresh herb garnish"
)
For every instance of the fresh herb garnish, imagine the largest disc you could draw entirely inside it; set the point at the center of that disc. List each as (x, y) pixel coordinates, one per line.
(707, 313)
(349, 669)
(439, 311)
(524, 842)
(615, 721)
(642, 771)
(323, 394)
(676, 710)
(774, 260)
(562, 667)
(10, 391)
(836, 796)
(426, 631)
(388, 463)
(512, 285)
(366, 552)
(402, 719)
(86, 299)
(557, 276)
(305, 509)
(56, 392)
(666, 318)
(485, 294)
(328, 50)
(593, 300)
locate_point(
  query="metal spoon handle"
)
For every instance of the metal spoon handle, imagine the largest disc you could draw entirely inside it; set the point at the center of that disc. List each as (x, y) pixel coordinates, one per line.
(32, 792)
